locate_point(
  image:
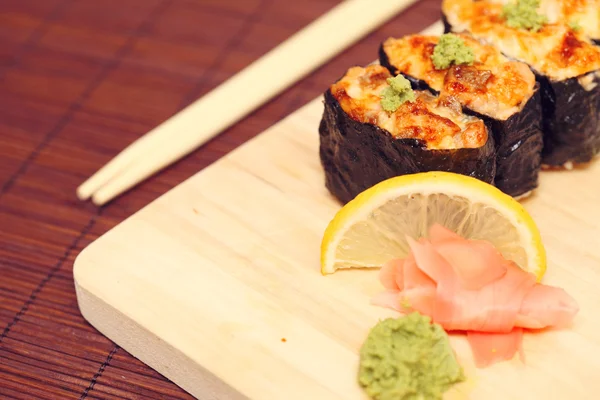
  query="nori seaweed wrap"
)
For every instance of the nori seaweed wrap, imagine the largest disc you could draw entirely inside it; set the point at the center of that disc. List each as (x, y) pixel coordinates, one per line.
(566, 64)
(502, 92)
(361, 144)
(571, 120)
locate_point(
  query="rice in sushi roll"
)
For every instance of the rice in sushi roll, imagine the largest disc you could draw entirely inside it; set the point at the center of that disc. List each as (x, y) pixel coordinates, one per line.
(502, 92)
(375, 127)
(566, 64)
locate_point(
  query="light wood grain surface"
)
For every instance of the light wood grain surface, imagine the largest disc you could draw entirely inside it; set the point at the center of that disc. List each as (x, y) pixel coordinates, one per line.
(217, 285)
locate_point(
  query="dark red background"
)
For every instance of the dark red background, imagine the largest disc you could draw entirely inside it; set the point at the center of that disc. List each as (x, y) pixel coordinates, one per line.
(79, 80)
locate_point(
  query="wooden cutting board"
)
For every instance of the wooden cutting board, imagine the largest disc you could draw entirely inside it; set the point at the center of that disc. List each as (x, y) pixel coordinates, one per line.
(216, 284)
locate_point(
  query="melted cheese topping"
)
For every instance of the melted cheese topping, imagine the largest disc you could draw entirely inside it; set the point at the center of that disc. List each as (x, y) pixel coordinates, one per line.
(555, 50)
(492, 85)
(586, 13)
(439, 123)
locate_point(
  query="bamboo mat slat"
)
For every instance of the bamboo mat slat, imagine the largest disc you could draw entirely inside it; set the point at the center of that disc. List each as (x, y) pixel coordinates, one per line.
(79, 81)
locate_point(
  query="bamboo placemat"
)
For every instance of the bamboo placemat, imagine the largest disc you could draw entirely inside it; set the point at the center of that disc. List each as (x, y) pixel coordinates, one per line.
(80, 80)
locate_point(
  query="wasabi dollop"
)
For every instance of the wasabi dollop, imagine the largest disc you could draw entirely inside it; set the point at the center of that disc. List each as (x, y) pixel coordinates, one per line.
(396, 94)
(523, 14)
(408, 358)
(449, 50)
(574, 25)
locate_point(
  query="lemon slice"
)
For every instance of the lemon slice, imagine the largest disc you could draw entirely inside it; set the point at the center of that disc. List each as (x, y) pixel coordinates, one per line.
(371, 229)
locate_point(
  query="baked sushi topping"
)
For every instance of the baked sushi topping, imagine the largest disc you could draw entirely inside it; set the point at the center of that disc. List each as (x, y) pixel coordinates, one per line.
(555, 50)
(490, 85)
(451, 50)
(499, 93)
(437, 123)
(580, 15)
(584, 15)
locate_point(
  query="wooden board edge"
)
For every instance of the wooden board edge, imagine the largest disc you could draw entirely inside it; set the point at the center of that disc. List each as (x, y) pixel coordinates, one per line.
(166, 360)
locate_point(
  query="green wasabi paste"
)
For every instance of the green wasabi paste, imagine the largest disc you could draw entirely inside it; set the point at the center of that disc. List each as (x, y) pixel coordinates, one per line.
(408, 358)
(522, 14)
(451, 49)
(396, 94)
(574, 25)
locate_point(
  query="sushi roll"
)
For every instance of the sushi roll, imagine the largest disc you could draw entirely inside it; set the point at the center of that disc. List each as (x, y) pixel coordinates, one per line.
(375, 127)
(502, 92)
(566, 64)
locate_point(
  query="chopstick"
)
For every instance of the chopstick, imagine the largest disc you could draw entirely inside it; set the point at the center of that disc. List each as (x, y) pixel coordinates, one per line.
(241, 94)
